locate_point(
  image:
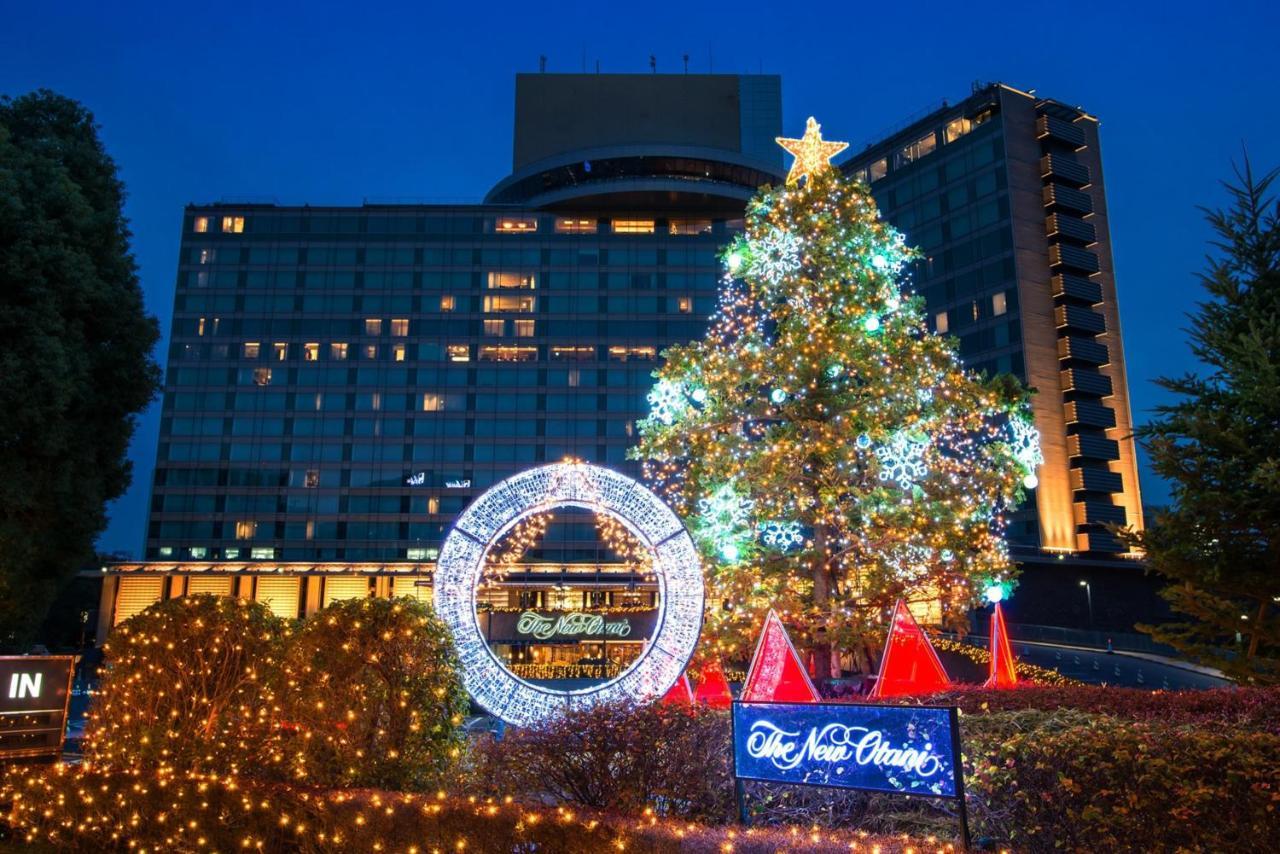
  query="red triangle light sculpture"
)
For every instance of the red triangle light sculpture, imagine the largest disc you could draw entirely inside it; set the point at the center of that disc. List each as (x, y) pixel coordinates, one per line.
(714, 688)
(776, 674)
(909, 665)
(680, 693)
(1003, 672)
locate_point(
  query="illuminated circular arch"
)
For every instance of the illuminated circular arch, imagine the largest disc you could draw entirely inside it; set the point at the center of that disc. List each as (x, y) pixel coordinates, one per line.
(600, 490)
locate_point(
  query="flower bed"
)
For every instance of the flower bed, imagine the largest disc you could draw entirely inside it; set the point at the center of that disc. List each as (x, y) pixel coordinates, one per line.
(78, 808)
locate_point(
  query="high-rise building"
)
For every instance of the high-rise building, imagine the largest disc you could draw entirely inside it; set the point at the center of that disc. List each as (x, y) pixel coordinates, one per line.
(342, 381)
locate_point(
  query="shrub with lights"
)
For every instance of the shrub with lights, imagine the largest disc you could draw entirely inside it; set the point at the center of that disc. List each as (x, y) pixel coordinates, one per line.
(189, 683)
(372, 697)
(829, 453)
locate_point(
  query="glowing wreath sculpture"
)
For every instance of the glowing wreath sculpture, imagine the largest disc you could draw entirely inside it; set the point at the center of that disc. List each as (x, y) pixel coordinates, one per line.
(600, 490)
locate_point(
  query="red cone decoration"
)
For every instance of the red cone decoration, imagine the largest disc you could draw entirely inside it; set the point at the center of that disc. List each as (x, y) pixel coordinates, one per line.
(680, 693)
(714, 690)
(776, 673)
(909, 664)
(1003, 674)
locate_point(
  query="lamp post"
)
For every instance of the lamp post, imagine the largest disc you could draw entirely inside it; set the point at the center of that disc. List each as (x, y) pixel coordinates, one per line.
(1088, 594)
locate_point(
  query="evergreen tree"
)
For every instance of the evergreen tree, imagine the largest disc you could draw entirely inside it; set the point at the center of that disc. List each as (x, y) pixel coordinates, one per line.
(1219, 543)
(75, 350)
(829, 454)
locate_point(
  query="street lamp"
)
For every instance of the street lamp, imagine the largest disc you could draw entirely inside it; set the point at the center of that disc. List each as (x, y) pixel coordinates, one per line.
(1088, 593)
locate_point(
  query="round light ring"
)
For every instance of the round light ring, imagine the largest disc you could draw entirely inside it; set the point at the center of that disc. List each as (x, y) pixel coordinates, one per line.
(675, 563)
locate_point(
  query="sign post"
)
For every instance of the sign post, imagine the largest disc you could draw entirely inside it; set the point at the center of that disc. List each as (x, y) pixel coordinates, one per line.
(904, 750)
(35, 695)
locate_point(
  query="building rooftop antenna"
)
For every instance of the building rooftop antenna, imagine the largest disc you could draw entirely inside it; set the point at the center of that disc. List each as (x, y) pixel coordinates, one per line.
(653, 63)
(542, 64)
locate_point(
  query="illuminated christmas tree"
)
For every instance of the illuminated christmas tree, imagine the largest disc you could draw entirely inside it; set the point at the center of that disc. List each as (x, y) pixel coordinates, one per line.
(828, 452)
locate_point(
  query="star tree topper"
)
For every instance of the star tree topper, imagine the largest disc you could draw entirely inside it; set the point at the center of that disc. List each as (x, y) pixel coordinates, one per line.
(813, 153)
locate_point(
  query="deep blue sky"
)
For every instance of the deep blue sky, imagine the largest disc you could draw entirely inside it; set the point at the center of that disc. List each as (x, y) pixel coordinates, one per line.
(334, 104)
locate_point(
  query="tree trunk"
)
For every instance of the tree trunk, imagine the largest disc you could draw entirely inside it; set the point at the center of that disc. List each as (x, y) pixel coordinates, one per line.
(821, 602)
(1255, 636)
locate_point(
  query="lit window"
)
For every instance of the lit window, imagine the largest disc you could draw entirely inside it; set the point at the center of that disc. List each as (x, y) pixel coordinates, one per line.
(202, 279)
(312, 478)
(570, 225)
(311, 352)
(319, 401)
(976, 312)
(208, 256)
(199, 552)
(266, 553)
(233, 224)
(524, 281)
(624, 354)
(516, 224)
(433, 505)
(915, 150)
(509, 303)
(998, 304)
(338, 350)
(166, 551)
(497, 353)
(459, 352)
(262, 376)
(252, 349)
(878, 170)
(524, 328)
(231, 553)
(399, 327)
(201, 225)
(633, 226)
(494, 327)
(573, 353)
(373, 326)
(685, 305)
(311, 529)
(689, 226)
(957, 128)
(416, 554)
(371, 351)
(940, 322)
(375, 401)
(246, 529)
(281, 351)
(447, 303)
(432, 402)
(573, 377)
(397, 353)
(200, 326)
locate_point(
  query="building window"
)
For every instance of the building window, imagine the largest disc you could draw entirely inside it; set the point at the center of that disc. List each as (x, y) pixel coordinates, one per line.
(319, 401)
(233, 224)
(312, 479)
(262, 376)
(199, 552)
(415, 554)
(266, 553)
(447, 303)
(516, 224)
(375, 401)
(166, 551)
(338, 350)
(201, 225)
(433, 504)
(459, 352)
(977, 313)
(281, 350)
(509, 303)
(633, 226)
(915, 150)
(877, 170)
(494, 327)
(373, 326)
(524, 281)
(940, 322)
(231, 553)
(524, 328)
(685, 304)
(572, 353)
(252, 349)
(246, 529)
(311, 352)
(957, 128)
(399, 327)
(570, 225)
(432, 402)
(999, 305)
(689, 226)
(573, 377)
(311, 529)
(397, 353)
(499, 353)
(626, 354)
(371, 351)
(208, 256)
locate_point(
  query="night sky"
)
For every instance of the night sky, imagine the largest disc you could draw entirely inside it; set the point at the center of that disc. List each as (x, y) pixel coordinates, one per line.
(335, 104)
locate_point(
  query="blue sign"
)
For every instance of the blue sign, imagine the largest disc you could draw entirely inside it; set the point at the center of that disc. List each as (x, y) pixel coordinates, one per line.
(909, 750)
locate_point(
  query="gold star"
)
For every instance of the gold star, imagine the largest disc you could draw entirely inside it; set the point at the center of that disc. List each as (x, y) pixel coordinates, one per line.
(813, 153)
